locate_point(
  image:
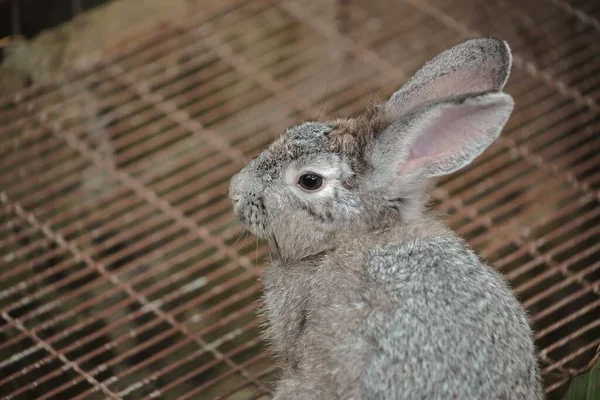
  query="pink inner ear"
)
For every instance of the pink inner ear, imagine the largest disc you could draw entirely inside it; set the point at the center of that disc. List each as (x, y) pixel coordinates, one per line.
(441, 138)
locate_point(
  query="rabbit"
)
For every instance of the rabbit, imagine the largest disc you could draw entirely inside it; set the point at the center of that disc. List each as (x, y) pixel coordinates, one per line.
(369, 295)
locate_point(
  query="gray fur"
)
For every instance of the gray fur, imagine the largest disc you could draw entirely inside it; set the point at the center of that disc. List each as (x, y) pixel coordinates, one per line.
(369, 296)
(477, 65)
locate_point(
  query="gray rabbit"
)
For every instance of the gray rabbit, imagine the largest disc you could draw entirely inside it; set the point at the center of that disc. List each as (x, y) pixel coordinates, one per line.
(369, 296)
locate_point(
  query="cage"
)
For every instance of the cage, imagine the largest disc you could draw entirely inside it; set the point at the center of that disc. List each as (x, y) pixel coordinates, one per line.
(121, 273)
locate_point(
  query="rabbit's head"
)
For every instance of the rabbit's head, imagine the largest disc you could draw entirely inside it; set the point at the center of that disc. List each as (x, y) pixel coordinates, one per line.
(323, 179)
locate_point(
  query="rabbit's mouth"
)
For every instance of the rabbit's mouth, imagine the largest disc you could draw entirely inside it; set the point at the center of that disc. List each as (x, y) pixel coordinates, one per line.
(252, 215)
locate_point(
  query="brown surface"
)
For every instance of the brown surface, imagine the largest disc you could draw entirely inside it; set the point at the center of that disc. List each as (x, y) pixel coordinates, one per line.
(82, 41)
(121, 276)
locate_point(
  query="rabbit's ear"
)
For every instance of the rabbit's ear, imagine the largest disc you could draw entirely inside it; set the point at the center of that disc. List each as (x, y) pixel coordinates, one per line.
(475, 66)
(437, 139)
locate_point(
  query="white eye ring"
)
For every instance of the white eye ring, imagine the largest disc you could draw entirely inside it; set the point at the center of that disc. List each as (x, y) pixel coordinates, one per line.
(310, 182)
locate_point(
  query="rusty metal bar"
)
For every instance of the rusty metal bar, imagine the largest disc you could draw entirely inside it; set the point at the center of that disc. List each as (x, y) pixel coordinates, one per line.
(177, 115)
(100, 267)
(60, 356)
(577, 13)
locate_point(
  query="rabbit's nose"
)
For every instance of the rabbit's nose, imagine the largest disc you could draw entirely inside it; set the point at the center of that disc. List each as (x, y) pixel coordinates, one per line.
(235, 188)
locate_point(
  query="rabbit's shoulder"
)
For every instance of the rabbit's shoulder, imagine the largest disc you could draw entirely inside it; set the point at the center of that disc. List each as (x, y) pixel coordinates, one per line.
(443, 256)
(438, 272)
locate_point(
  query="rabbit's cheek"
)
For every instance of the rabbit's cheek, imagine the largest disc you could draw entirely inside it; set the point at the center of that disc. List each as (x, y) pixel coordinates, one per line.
(251, 213)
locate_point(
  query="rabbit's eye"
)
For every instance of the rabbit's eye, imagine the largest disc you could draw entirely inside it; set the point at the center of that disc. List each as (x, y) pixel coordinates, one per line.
(310, 181)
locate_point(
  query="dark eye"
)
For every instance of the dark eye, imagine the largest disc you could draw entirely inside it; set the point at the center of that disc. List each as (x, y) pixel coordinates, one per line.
(310, 181)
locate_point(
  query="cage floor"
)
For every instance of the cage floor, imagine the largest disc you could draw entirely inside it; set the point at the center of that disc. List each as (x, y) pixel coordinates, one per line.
(121, 272)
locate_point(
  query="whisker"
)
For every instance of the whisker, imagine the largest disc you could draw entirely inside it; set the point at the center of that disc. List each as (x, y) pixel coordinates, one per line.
(238, 235)
(244, 241)
(256, 255)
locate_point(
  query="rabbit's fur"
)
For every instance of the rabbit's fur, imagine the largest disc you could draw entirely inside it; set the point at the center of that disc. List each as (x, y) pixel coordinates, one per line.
(369, 296)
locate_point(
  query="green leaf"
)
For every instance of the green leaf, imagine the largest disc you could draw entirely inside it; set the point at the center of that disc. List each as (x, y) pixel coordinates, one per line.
(587, 385)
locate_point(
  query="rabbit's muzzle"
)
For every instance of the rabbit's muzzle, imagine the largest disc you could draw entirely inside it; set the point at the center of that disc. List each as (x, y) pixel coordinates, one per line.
(245, 194)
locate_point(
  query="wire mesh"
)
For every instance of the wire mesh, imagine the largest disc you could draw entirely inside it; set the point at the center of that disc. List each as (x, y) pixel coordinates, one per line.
(122, 275)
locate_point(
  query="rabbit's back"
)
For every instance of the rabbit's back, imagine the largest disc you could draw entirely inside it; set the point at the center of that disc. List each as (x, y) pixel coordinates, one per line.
(444, 325)
(419, 318)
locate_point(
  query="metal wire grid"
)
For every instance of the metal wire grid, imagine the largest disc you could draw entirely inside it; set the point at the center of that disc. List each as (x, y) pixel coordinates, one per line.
(122, 276)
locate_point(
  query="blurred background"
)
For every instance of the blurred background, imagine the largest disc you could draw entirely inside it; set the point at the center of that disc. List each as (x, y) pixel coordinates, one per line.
(122, 274)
